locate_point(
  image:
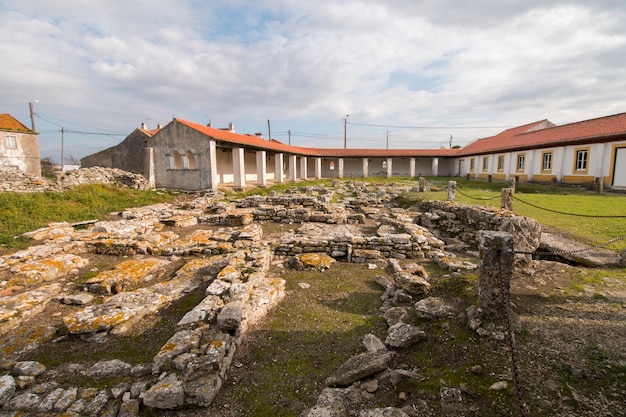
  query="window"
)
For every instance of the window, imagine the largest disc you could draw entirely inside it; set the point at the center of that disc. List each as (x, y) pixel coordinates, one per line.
(177, 159)
(191, 160)
(485, 163)
(547, 161)
(472, 164)
(582, 156)
(10, 142)
(521, 161)
(501, 163)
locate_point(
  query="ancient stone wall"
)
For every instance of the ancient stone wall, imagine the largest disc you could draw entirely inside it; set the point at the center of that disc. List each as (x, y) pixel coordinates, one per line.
(15, 181)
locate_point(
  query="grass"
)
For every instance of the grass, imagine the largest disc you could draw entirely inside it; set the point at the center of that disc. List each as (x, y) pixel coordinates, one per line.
(23, 212)
(584, 204)
(307, 336)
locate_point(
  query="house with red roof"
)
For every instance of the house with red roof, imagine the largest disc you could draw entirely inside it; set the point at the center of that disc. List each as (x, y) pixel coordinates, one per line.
(577, 153)
(190, 156)
(19, 148)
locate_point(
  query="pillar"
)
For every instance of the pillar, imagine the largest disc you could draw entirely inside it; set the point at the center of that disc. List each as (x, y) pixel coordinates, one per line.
(340, 163)
(278, 168)
(451, 190)
(239, 168)
(214, 176)
(366, 167)
(261, 171)
(389, 167)
(494, 272)
(148, 166)
(303, 168)
(412, 167)
(293, 172)
(318, 168)
(435, 167)
(507, 199)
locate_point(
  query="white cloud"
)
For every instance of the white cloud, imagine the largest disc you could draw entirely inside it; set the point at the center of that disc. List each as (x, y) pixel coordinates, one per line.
(304, 64)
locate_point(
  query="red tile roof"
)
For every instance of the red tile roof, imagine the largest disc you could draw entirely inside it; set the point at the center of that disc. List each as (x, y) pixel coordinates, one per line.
(251, 141)
(544, 134)
(10, 123)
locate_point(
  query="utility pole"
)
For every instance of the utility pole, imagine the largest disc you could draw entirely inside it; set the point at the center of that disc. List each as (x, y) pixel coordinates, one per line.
(62, 148)
(289, 132)
(269, 131)
(345, 124)
(32, 114)
(387, 139)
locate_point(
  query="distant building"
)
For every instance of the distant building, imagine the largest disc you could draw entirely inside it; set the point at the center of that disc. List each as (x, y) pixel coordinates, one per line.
(19, 148)
(128, 155)
(190, 156)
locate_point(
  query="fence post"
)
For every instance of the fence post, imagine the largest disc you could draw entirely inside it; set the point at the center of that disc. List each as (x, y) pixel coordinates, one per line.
(507, 199)
(494, 271)
(422, 184)
(451, 190)
(514, 182)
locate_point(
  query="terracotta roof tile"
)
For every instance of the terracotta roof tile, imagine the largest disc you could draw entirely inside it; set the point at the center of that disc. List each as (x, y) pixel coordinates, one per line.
(10, 123)
(274, 145)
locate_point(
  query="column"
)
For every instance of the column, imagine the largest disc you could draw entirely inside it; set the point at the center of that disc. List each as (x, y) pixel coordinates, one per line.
(239, 168)
(278, 168)
(214, 176)
(436, 167)
(389, 167)
(340, 168)
(148, 166)
(412, 167)
(366, 167)
(293, 172)
(318, 168)
(261, 171)
(303, 168)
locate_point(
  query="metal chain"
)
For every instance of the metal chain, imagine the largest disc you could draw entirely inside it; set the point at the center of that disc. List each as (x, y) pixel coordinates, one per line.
(573, 251)
(509, 333)
(477, 198)
(569, 214)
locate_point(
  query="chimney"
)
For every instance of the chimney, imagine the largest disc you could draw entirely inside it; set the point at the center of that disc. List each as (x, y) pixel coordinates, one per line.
(143, 126)
(259, 134)
(210, 124)
(231, 126)
(159, 126)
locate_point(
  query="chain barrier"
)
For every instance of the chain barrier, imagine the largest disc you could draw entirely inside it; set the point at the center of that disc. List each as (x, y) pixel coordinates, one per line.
(573, 251)
(477, 198)
(569, 214)
(504, 296)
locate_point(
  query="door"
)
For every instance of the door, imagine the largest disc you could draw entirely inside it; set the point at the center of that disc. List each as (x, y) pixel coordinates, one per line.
(619, 173)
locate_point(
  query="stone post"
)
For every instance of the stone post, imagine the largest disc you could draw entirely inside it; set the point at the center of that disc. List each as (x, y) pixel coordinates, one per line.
(507, 199)
(599, 185)
(513, 183)
(422, 184)
(451, 190)
(494, 271)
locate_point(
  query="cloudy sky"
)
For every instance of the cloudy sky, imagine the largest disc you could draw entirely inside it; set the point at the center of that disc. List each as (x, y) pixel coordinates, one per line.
(409, 73)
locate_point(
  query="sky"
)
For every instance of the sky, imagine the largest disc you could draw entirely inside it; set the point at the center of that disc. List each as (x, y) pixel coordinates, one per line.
(393, 73)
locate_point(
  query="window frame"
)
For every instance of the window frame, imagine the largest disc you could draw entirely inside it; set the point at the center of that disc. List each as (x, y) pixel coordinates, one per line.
(546, 157)
(520, 157)
(485, 163)
(10, 142)
(472, 165)
(500, 163)
(580, 151)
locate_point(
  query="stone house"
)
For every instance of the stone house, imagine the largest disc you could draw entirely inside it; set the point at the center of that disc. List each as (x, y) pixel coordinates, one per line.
(190, 156)
(19, 147)
(128, 155)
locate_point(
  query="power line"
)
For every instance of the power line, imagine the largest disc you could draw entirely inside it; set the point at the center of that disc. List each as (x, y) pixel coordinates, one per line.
(431, 127)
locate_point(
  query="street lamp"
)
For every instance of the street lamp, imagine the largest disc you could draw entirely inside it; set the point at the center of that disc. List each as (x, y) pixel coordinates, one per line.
(345, 124)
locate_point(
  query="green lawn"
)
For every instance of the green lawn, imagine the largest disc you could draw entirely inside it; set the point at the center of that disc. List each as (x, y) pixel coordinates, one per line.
(23, 212)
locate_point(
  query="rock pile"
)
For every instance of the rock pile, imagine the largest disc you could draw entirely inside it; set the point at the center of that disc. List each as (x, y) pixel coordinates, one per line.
(17, 181)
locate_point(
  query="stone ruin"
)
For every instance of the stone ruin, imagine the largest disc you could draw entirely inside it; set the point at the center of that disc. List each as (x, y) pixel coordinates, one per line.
(164, 252)
(17, 181)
